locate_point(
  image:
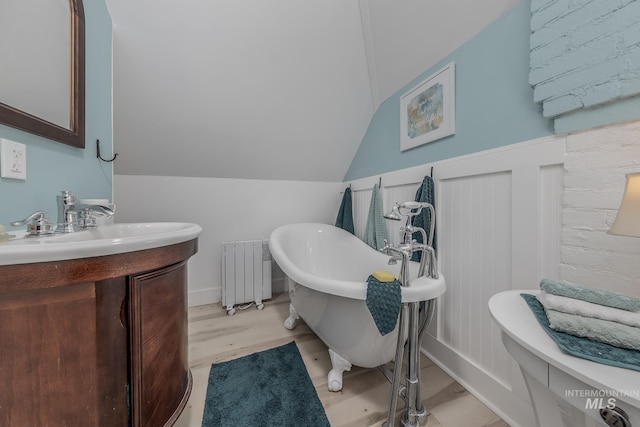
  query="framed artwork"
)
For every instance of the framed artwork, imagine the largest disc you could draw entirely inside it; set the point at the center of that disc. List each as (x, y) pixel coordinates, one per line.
(428, 111)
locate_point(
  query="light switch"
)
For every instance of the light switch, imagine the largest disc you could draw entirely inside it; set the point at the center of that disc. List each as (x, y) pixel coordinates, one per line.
(13, 159)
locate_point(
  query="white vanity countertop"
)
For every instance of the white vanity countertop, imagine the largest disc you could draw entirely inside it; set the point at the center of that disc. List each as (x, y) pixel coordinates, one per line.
(104, 240)
(516, 319)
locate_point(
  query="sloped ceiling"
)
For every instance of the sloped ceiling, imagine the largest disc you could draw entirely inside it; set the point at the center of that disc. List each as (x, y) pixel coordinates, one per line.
(283, 89)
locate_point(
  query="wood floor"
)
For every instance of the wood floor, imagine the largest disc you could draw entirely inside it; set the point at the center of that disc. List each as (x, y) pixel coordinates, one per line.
(214, 337)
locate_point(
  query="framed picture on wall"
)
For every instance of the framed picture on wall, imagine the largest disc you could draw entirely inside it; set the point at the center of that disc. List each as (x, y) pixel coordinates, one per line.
(428, 111)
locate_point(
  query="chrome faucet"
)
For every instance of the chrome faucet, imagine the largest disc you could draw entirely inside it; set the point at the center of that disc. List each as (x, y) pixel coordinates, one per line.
(414, 316)
(428, 262)
(73, 216)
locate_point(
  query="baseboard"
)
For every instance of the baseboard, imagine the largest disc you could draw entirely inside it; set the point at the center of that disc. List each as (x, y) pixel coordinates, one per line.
(279, 285)
(486, 389)
(205, 296)
(214, 295)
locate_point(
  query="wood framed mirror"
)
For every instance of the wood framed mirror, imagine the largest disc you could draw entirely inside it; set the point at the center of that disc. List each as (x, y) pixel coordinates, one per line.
(42, 79)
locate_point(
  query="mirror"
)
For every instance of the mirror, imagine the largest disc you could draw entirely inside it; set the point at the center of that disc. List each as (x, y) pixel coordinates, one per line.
(42, 81)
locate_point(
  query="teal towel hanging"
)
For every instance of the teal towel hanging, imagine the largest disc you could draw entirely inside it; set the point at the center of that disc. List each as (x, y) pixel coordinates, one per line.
(375, 232)
(425, 193)
(344, 219)
(384, 300)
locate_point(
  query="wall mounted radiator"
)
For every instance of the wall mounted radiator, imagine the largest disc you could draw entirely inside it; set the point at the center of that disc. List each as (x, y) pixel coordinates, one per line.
(246, 273)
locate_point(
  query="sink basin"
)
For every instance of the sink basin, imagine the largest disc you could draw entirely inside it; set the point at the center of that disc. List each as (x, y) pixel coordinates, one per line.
(104, 240)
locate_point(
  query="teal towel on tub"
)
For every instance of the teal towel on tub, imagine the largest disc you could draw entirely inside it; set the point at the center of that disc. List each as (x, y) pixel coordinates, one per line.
(375, 232)
(384, 300)
(345, 213)
(584, 348)
(594, 295)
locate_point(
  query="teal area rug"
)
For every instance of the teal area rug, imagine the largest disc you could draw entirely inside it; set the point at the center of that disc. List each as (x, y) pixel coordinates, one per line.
(266, 389)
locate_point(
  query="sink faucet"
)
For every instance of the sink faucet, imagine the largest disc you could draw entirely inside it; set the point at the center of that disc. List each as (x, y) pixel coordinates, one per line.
(73, 216)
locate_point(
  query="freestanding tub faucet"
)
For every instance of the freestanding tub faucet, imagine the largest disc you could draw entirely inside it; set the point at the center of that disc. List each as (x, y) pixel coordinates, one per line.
(414, 316)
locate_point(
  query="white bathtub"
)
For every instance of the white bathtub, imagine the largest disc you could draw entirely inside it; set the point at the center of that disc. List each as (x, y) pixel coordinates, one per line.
(327, 269)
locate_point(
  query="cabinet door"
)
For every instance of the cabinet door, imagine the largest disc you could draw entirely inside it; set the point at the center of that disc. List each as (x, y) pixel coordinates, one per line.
(54, 353)
(160, 376)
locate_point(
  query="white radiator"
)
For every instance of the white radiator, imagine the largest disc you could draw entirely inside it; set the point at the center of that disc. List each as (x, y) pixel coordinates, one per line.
(246, 273)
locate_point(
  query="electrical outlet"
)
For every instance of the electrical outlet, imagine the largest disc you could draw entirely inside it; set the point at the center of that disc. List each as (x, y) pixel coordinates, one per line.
(13, 160)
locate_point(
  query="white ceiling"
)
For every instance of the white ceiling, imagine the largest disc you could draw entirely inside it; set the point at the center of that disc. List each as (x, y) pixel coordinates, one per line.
(268, 90)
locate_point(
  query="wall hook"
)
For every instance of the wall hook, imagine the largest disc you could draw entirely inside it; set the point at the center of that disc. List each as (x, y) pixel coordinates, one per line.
(98, 153)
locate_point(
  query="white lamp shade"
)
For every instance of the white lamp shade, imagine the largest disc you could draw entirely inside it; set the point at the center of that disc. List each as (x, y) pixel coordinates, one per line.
(627, 222)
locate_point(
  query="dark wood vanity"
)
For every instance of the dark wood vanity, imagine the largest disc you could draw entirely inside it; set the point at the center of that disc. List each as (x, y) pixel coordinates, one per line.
(98, 341)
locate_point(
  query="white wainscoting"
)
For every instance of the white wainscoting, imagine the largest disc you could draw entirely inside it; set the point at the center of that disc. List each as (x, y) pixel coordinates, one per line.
(499, 223)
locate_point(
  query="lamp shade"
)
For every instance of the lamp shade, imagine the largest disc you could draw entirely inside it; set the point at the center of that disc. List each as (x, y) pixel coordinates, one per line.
(627, 222)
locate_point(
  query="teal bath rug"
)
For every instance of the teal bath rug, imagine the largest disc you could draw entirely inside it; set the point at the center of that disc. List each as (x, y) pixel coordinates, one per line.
(266, 389)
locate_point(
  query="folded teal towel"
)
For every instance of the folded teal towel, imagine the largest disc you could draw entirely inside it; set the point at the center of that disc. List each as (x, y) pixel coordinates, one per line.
(424, 194)
(345, 212)
(582, 347)
(594, 295)
(613, 333)
(384, 300)
(375, 232)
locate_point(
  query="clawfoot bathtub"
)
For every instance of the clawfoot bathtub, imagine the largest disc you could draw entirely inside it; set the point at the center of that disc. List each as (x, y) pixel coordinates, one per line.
(327, 269)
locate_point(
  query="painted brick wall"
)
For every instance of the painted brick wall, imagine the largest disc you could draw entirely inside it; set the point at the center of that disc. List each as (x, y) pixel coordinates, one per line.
(595, 166)
(584, 55)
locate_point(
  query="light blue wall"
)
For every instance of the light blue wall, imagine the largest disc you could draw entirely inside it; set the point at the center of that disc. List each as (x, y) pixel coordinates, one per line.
(494, 103)
(52, 166)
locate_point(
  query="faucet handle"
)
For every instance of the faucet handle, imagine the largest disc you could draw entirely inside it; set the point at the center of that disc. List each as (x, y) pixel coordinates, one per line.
(39, 225)
(36, 216)
(66, 197)
(386, 249)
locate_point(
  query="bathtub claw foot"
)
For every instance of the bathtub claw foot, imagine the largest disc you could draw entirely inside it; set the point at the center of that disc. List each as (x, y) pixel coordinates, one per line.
(293, 318)
(340, 364)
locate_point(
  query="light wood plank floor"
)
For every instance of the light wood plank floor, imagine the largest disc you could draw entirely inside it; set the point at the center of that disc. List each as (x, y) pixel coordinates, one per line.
(214, 337)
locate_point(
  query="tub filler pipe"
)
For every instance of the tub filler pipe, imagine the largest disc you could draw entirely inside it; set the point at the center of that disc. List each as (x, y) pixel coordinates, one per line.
(413, 320)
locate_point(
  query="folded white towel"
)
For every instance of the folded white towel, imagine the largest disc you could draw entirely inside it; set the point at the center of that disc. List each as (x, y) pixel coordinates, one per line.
(588, 309)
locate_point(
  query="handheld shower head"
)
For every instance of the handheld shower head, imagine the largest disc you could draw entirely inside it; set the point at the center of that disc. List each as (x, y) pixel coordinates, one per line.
(393, 215)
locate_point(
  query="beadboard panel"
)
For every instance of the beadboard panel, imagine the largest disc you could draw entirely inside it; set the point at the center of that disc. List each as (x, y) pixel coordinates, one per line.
(475, 257)
(499, 218)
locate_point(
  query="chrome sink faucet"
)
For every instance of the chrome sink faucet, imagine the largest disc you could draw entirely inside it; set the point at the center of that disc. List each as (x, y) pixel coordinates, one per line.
(73, 216)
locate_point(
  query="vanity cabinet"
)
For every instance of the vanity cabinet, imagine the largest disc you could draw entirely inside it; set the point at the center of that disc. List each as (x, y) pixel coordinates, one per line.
(96, 341)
